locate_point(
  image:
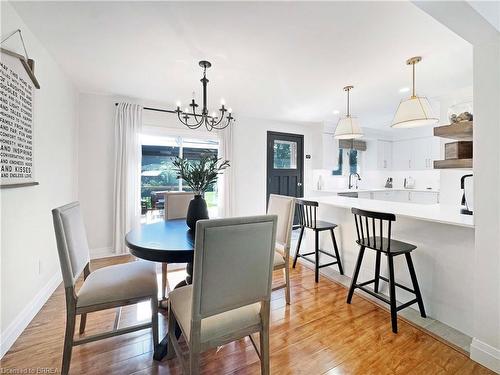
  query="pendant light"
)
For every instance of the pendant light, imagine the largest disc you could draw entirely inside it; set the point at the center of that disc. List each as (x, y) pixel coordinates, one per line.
(348, 126)
(416, 110)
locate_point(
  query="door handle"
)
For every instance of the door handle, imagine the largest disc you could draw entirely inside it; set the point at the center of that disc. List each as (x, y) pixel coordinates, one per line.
(299, 184)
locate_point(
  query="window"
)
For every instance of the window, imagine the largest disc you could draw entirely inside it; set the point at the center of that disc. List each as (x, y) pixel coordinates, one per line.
(157, 171)
(284, 154)
(349, 162)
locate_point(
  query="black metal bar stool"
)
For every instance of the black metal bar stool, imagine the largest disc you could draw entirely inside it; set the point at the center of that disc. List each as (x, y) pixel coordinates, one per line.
(306, 211)
(366, 228)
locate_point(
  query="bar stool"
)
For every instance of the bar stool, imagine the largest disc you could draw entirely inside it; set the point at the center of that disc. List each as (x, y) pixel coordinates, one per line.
(306, 211)
(390, 248)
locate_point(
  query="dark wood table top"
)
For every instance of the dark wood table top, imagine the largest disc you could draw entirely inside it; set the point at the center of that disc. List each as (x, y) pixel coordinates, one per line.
(168, 241)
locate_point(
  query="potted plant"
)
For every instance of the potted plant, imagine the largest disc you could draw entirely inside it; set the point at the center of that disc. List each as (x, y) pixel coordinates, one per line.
(199, 175)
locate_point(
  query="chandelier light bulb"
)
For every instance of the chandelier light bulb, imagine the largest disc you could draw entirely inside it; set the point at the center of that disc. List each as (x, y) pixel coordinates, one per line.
(186, 110)
(178, 104)
(222, 102)
(230, 110)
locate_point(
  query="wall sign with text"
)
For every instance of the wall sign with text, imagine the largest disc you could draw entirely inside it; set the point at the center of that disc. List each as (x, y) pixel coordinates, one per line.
(16, 123)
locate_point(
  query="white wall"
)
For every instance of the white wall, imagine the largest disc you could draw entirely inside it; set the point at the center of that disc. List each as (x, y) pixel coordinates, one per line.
(250, 139)
(29, 263)
(249, 162)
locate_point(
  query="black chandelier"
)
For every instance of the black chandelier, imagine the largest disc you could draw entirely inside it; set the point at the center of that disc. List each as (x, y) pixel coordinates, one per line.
(194, 120)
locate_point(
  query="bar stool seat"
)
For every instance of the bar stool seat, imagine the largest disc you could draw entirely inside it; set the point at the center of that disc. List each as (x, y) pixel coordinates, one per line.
(324, 225)
(306, 211)
(396, 247)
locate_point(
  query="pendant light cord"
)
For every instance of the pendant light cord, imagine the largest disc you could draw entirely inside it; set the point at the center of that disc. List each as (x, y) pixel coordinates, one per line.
(413, 65)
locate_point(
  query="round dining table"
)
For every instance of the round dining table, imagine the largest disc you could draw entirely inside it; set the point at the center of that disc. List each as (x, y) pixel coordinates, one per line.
(167, 241)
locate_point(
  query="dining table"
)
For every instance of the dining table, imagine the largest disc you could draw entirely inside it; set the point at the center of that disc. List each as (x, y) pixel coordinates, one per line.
(167, 241)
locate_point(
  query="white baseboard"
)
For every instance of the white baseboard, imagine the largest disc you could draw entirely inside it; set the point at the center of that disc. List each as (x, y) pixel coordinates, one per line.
(102, 252)
(14, 330)
(485, 354)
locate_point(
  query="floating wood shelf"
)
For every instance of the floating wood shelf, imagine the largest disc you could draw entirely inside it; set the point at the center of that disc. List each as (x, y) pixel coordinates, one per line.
(453, 163)
(460, 131)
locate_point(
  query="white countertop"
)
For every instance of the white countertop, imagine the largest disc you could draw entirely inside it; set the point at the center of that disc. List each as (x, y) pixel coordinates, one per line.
(367, 190)
(439, 213)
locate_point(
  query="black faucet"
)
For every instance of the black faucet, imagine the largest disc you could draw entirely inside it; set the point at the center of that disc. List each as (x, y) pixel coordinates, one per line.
(350, 183)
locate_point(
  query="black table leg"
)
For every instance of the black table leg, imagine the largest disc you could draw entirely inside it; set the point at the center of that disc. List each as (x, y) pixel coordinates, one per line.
(161, 349)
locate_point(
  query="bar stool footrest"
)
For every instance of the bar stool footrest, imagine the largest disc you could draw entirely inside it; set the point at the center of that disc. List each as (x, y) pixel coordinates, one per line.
(398, 285)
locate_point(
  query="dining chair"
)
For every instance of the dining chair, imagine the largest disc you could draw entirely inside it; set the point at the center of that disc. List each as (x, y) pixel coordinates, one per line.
(231, 290)
(176, 207)
(284, 207)
(104, 288)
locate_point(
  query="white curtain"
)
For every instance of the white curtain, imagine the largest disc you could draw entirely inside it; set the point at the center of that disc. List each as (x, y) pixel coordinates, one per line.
(127, 183)
(225, 182)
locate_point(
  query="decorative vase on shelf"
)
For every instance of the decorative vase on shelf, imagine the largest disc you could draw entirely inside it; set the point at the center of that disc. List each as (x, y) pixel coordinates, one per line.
(197, 210)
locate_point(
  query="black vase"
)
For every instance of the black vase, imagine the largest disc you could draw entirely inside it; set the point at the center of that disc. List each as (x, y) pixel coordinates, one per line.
(197, 210)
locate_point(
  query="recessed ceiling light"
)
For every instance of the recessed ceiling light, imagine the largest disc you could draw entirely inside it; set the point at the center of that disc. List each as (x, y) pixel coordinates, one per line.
(404, 89)
(336, 112)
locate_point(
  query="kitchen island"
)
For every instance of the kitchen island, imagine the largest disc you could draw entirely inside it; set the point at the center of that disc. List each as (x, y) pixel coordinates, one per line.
(443, 258)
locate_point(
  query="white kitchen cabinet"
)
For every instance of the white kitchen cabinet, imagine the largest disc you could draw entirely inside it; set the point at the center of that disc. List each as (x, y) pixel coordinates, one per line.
(416, 154)
(424, 197)
(401, 155)
(384, 155)
(365, 195)
(419, 197)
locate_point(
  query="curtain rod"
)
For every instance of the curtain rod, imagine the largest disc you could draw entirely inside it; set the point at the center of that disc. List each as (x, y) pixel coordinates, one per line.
(156, 109)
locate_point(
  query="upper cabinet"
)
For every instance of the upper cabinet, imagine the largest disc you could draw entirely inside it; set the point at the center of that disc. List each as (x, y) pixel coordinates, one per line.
(384, 155)
(415, 154)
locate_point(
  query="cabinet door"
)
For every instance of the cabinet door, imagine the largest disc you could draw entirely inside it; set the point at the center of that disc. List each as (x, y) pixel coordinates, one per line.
(401, 196)
(384, 195)
(420, 153)
(423, 197)
(433, 151)
(401, 155)
(365, 195)
(384, 155)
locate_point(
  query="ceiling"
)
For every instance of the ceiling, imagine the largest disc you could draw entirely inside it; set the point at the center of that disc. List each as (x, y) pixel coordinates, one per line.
(282, 60)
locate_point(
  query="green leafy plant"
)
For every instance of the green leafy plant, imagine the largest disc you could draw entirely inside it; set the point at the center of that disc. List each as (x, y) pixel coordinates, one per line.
(200, 174)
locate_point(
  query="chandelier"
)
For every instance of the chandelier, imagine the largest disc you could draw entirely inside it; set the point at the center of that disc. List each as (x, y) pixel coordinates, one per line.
(194, 119)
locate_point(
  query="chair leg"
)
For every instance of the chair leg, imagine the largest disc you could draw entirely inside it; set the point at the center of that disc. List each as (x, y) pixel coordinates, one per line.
(297, 254)
(164, 280)
(264, 340)
(337, 255)
(286, 271)
(194, 362)
(154, 321)
(171, 333)
(392, 294)
(316, 256)
(416, 288)
(355, 274)
(68, 340)
(83, 323)
(377, 271)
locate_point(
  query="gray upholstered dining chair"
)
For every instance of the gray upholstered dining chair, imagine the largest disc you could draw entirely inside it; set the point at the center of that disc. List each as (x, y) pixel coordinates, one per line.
(176, 207)
(231, 290)
(104, 288)
(284, 208)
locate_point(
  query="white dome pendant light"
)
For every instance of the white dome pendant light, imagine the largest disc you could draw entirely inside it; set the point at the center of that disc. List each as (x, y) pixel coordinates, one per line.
(416, 110)
(348, 126)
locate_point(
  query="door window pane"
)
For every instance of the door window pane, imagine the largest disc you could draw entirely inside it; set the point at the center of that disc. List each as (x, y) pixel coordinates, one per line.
(285, 154)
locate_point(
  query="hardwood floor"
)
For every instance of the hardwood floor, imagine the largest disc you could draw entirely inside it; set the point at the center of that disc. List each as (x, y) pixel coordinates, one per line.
(317, 334)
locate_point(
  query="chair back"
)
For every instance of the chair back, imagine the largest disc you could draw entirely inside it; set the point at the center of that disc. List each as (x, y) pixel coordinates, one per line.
(284, 207)
(367, 225)
(176, 204)
(306, 211)
(233, 263)
(71, 241)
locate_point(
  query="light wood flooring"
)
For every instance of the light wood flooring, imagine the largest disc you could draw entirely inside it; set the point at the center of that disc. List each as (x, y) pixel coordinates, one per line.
(317, 334)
